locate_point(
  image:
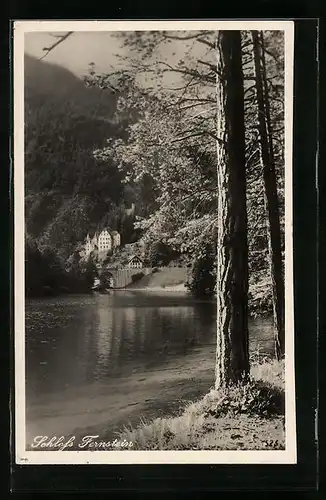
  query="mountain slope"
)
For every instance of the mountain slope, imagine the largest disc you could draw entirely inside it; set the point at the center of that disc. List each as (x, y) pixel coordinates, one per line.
(66, 189)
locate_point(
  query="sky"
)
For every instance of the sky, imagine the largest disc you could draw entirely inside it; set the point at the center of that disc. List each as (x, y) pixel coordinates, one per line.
(77, 51)
(102, 47)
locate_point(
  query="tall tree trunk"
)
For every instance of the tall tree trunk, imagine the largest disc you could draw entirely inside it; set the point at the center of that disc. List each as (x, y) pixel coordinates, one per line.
(271, 198)
(232, 356)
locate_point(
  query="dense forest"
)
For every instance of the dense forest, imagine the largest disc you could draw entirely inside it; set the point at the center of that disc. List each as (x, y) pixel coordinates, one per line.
(68, 192)
(93, 147)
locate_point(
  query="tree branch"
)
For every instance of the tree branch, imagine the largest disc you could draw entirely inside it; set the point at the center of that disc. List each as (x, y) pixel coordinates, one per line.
(192, 37)
(201, 133)
(210, 65)
(62, 38)
(206, 42)
(251, 87)
(193, 73)
(175, 37)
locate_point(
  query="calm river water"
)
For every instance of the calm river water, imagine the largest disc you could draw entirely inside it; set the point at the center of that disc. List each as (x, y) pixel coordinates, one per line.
(75, 340)
(81, 342)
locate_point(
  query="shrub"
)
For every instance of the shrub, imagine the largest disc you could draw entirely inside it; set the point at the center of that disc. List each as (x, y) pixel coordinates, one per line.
(256, 398)
(136, 277)
(260, 295)
(202, 280)
(160, 254)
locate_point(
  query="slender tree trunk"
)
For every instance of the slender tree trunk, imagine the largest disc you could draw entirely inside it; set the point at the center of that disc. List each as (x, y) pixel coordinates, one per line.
(232, 356)
(271, 198)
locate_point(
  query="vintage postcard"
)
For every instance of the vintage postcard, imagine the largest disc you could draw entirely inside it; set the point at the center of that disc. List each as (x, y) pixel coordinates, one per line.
(153, 242)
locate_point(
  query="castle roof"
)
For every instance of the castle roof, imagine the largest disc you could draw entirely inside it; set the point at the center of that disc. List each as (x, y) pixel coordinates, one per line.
(134, 257)
(105, 228)
(91, 235)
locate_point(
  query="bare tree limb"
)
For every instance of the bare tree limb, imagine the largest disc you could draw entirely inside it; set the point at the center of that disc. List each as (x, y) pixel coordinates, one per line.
(206, 42)
(190, 37)
(175, 37)
(210, 65)
(190, 72)
(197, 134)
(200, 101)
(61, 38)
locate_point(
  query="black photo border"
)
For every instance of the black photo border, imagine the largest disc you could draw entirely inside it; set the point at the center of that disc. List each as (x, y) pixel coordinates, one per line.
(199, 478)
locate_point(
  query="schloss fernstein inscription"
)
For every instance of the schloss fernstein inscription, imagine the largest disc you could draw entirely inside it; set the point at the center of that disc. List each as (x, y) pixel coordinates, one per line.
(87, 443)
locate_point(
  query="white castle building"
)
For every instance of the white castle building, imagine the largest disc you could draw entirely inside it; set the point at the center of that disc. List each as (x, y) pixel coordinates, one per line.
(105, 241)
(116, 239)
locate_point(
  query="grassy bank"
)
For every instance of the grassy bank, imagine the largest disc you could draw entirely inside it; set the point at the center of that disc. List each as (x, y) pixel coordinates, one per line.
(168, 278)
(248, 416)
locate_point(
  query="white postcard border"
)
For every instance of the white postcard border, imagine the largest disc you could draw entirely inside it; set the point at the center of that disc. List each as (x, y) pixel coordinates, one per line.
(289, 455)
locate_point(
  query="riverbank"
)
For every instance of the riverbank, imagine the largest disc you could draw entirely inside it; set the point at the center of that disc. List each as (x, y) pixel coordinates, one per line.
(95, 364)
(164, 278)
(173, 288)
(247, 417)
(196, 417)
(104, 408)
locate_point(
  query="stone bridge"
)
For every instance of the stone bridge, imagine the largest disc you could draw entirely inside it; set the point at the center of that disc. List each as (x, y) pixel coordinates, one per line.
(120, 278)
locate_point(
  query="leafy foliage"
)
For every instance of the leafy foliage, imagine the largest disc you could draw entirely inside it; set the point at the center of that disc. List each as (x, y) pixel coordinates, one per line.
(105, 278)
(136, 277)
(145, 134)
(173, 144)
(203, 273)
(159, 254)
(48, 274)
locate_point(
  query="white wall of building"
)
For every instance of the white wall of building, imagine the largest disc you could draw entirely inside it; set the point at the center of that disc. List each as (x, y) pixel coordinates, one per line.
(104, 241)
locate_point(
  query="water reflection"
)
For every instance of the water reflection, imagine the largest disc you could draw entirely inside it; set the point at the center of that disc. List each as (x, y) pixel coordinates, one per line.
(71, 341)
